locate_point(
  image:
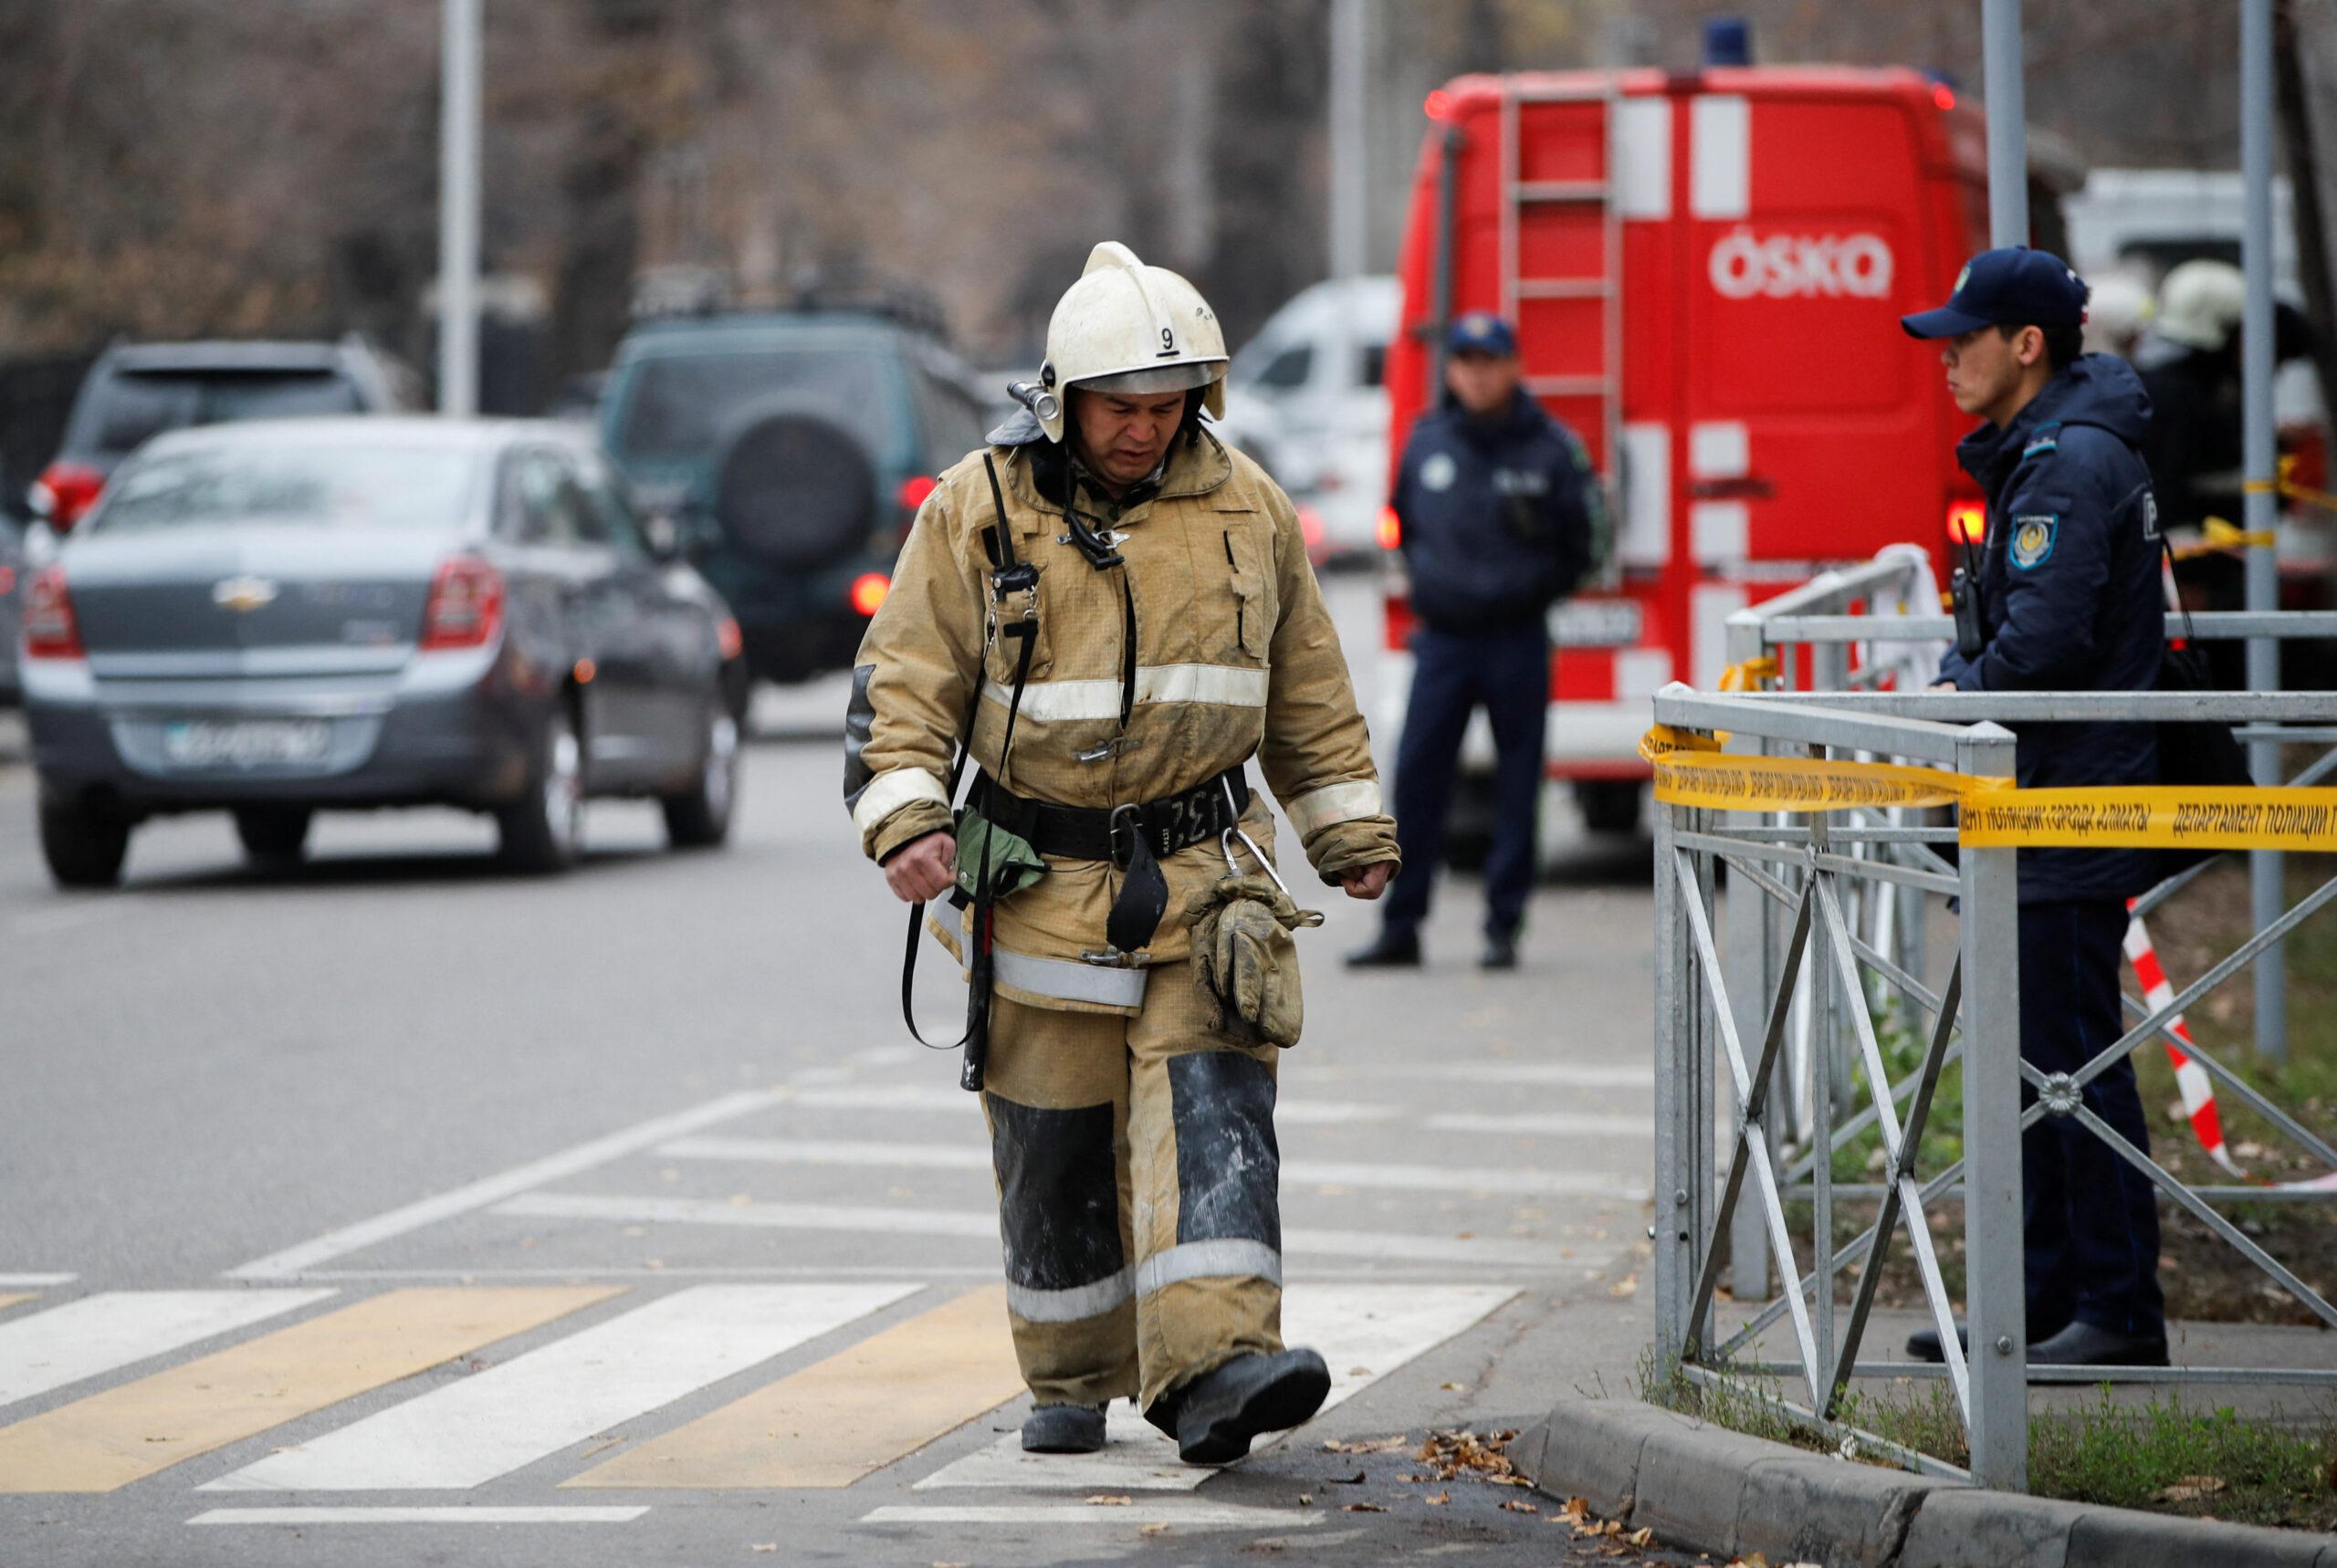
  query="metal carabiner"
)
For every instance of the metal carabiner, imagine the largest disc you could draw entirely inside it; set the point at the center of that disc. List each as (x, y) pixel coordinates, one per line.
(1233, 831)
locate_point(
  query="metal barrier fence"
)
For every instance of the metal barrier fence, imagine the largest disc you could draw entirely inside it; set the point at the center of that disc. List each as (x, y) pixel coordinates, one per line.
(1823, 930)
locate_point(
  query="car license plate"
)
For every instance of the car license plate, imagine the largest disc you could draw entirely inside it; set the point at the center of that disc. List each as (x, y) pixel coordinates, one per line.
(247, 743)
(1596, 624)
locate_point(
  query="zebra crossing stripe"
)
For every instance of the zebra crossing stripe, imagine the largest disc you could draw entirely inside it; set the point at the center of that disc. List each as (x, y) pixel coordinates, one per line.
(974, 1156)
(127, 1432)
(1365, 1333)
(460, 1514)
(465, 1433)
(1378, 1246)
(101, 1333)
(956, 1101)
(835, 1421)
(1174, 1516)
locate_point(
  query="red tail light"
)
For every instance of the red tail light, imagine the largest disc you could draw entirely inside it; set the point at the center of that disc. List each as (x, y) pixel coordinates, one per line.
(1968, 522)
(1310, 528)
(1391, 531)
(1400, 622)
(51, 630)
(731, 641)
(868, 591)
(65, 492)
(915, 489)
(465, 608)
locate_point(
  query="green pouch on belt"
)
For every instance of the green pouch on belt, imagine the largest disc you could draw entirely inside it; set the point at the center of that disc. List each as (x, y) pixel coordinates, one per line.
(1013, 865)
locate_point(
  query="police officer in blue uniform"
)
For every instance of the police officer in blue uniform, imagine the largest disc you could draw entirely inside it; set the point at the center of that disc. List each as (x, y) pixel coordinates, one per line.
(2064, 594)
(1497, 507)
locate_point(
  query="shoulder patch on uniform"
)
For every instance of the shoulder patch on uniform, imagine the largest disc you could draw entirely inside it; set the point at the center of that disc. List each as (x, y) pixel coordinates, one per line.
(2041, 444)
(2032, 539)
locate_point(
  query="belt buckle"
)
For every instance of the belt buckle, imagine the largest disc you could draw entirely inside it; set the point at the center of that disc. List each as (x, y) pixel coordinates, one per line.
(1135, 816)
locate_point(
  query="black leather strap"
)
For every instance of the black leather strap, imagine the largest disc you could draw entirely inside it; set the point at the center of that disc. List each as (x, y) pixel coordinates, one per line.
(1160, 828)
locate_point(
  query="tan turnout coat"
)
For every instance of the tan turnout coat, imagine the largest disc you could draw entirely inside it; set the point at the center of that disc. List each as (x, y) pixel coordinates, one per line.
(1236, 658)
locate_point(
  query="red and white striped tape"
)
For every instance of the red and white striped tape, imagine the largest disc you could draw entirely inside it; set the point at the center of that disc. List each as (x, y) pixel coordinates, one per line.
(2198, 1090)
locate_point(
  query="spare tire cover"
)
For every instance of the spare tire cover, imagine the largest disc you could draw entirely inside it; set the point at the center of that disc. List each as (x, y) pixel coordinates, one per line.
(795, 490)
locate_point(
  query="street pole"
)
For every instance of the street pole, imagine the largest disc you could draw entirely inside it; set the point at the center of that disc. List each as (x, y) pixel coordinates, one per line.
(458, 207)
(2259, 468)
(2007, 124)
(1349, 195)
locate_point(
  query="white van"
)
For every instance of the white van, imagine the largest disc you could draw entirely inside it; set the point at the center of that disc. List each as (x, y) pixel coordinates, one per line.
(1306, 398)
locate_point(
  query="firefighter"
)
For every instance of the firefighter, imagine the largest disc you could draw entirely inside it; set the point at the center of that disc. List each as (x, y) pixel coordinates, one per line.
(1118, 606)
(2069, 600)
(1496, 507)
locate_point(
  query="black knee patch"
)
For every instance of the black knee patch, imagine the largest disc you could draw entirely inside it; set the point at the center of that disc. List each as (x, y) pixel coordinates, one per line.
(1228, 1167)
(1060, 1213)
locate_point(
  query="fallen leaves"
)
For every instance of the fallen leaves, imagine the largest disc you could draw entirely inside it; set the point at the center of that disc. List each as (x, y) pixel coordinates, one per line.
(1363, 1508)
(764, 1546)
(1519, 1505)
(1453, 1456)
(1366, 1445)
(2191, 1488)
(1109, 1499)
(1157, 1527)
(1440, 1500)
(1625, 1288)
(1576, 1512)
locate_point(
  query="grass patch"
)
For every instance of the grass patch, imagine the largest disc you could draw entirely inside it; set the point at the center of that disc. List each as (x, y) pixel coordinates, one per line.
(2162, 1457)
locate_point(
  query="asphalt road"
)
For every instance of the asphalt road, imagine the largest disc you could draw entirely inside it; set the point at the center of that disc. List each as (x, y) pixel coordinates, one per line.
(609, 1219)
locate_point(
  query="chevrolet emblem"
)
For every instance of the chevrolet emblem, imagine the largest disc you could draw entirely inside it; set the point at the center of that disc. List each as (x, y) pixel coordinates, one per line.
(244, 594)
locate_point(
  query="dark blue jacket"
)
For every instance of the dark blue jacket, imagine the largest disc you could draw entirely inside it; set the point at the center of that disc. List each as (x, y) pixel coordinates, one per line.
(1497, 515)
(2070, 597)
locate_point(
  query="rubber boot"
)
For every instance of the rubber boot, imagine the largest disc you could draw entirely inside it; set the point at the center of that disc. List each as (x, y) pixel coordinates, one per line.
(1064, 1429)
(1220, 1412)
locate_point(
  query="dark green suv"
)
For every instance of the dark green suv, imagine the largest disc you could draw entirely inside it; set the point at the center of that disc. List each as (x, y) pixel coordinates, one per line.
(791, 450)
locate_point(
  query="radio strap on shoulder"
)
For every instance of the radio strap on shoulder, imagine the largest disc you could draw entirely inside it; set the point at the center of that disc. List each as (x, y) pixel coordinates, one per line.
(1009, 576)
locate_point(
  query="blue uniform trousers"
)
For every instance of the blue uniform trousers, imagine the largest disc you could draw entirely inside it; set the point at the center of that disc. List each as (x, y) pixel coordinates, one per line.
(1507, 671)
(2089, 1219)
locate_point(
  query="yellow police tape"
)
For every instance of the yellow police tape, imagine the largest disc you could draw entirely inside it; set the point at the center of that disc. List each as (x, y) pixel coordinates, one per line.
(1995, 815)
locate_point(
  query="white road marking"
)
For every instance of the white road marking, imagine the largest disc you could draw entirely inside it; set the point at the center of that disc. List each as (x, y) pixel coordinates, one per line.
(99, 1334)
(457, 1515)
(1586, 1124)
(465, 1433)
(1504, 1181)
(35, 1281)
(479, 1193)
(934, 1097)
(651, 1210)
(1176, 1516)
(1547, 1074)
(1365, 1333)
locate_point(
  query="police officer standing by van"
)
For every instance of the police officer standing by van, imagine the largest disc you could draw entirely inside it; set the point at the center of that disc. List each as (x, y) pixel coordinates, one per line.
(1112, 611)
(1497, 508)
(2065, 595)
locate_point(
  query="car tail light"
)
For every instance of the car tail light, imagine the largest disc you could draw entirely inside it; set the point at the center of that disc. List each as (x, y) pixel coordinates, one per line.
(1943, 95)
(51, 629)
(915, 489)
(1310, 528)
(1968, 522)
(730, 639)
(868, 591)
(465, 608)
(1400, 622)
(1391, 531)
(65, 492)
(7, 580)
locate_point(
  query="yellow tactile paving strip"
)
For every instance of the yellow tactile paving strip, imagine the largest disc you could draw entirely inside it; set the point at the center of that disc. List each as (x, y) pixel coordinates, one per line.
(127, 1432)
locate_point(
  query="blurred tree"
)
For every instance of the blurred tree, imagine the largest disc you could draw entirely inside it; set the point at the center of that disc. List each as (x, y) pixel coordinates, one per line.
(172, 167)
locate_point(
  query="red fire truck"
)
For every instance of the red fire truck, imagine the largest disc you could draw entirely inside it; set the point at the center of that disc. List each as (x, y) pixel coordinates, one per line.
(1707, 271)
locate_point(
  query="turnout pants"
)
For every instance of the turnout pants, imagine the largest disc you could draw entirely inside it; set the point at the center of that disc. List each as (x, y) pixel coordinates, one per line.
(1137, 1184)
(1507, 670)
(2089, 1219)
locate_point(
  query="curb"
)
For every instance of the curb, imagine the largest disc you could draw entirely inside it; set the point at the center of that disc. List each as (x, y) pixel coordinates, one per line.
(1706, 1488)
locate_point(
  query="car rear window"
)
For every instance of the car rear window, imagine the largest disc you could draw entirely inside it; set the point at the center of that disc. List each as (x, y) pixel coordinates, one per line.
(352, 486)
(132, 405)
(682, 407)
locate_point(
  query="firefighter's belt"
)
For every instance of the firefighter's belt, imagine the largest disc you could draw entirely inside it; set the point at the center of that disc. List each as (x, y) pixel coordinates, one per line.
(1113, 834)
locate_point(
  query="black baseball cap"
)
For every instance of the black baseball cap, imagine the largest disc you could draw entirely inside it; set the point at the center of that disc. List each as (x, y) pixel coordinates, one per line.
(2015, 287)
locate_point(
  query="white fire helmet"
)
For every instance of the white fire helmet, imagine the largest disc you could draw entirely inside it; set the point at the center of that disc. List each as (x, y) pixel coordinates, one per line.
(2116, 312)
(2200, 304)
(1126, 327)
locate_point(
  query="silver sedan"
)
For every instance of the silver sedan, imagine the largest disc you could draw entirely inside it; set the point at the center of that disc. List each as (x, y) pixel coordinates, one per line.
(275, 617)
